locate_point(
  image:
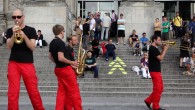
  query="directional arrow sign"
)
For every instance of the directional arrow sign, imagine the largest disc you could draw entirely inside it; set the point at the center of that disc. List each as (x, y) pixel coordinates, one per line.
(118, 64)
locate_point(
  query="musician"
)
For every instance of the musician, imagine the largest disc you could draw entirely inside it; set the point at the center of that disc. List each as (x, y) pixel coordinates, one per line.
(155, 71)
(68, 94)
(21, 63)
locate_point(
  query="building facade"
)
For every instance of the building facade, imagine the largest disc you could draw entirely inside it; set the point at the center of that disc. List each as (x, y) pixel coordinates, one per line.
(139, 14)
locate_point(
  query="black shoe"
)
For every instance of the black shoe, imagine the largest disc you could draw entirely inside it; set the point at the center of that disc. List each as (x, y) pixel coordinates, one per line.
(148, 105)
(40, 46)
(181, 67)
(159, 109)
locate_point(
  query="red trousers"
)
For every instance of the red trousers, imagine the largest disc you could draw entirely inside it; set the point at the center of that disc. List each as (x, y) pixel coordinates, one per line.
(68, 94)
(155, 96)
(27, 71)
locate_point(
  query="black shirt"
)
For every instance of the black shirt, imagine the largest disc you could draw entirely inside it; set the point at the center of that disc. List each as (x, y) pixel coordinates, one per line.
(95, 43)
(20, 52)
(90, 61)
(69, 54)
(110, 47)
(154, 63)
(57, 45)
(86, 29)
(134, 37)
(40, 38)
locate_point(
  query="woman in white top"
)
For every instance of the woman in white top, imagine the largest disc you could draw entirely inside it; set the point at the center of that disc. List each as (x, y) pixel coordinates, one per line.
(144, 66)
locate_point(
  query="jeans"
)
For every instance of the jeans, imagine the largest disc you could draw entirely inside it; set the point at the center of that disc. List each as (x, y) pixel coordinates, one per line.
(85, 41)
(110, 53)
(40, 43)
(94, 69)
(97, 35)
(103, 29)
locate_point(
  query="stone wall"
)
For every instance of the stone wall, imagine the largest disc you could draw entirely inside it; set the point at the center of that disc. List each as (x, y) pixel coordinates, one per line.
(140, 16)
(43, 14)
(2, 19)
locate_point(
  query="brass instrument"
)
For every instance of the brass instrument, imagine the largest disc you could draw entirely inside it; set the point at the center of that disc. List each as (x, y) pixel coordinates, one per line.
(167, 42)
(81, 58)
(185, 47)
(18, 38)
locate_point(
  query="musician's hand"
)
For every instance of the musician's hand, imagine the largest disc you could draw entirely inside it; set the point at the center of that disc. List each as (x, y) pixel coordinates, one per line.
(146, 68)
(22, 34)
(165, 46)
(88, 66)
(15, 28)
(75, 63)
(74, 67)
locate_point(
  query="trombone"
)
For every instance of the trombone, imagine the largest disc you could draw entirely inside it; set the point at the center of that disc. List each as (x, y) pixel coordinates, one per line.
(168, 42)
(181, 47)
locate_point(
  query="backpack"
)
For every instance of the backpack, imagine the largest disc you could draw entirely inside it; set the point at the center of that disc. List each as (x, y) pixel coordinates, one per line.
(44, 43)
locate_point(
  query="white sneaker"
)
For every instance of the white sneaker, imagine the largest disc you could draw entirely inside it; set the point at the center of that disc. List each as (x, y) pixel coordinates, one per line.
(114, 60)
(134, 54)
(139, 54)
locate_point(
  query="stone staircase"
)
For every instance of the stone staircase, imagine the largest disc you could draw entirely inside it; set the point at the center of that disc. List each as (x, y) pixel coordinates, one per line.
(121, 83)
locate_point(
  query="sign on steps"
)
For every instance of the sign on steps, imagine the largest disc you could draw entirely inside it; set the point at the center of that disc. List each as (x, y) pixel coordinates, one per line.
(118, 64)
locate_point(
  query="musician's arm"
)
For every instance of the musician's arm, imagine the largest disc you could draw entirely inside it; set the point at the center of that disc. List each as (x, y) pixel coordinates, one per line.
(10, 42)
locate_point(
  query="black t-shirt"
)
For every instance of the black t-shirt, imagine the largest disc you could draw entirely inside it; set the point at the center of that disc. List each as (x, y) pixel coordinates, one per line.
(98, 24)
(90, 61)
(86, 29)
(69, 54)
(110, 47)
(154, 63)
(20, 52)
(134, 37)
(95, 43)
(57, 45)
(40, 38)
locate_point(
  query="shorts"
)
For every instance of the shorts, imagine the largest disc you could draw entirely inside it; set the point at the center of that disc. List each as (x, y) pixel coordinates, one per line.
(121, 33)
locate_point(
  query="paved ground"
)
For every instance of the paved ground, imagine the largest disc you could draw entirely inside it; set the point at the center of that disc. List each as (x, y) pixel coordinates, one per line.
(122, 103)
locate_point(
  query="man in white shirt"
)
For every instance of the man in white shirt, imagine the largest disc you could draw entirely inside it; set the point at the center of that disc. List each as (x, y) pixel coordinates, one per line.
(92, 27)
(106, 22)
(121, 28)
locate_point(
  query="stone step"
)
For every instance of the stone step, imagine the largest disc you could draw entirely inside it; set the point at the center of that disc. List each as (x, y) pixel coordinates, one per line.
(113, 76)
(109, 80)
(116, 84)
(113, 89)
(109, 94)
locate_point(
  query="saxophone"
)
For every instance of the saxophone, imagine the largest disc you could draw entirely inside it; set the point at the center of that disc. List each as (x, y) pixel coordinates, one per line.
(81, 58)
(18, 38)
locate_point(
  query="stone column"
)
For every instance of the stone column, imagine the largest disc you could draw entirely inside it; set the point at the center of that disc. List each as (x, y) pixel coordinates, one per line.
(2, 21)
(43, 15)
(140, 16)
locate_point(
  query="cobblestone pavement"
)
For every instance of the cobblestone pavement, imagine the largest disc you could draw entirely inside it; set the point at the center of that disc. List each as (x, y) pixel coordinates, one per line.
(51, 107)
(108, 103)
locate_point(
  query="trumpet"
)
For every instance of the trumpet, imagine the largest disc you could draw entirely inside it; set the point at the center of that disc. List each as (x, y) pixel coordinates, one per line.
(168, 42)
(17, 35)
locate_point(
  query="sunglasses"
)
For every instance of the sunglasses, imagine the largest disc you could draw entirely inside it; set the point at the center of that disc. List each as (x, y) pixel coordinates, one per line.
(18, 17)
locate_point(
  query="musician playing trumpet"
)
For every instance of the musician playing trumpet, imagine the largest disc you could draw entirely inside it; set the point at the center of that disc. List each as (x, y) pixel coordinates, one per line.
(21, 63)
(155, 57)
